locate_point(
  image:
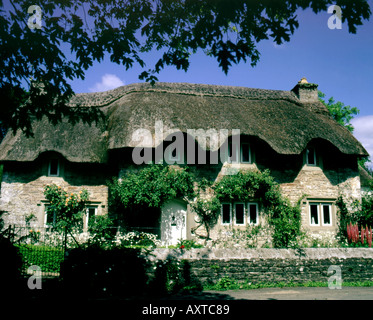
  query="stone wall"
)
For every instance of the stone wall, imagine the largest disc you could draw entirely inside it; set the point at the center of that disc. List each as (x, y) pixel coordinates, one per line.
(22, 189)
(322, 186)
(274, 265)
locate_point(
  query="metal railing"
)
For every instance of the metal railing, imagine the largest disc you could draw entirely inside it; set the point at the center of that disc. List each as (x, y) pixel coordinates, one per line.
(42, 247)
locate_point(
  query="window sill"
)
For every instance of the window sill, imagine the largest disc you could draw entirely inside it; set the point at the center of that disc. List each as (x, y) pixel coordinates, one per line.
(308, 167)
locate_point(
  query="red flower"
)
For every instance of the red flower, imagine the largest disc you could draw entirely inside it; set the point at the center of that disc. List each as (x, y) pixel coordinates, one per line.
(182, 247)
(369, 237)
(362, 235)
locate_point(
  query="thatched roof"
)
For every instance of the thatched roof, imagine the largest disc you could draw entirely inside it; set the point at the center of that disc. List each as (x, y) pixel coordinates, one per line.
(77, 143)
(365, 178)
(280, 118)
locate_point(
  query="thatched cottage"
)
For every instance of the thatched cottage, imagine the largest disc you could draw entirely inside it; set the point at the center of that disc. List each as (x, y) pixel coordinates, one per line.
(291, 133)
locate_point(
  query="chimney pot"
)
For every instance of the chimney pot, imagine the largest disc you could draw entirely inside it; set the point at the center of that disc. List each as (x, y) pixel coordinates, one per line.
(303, 80)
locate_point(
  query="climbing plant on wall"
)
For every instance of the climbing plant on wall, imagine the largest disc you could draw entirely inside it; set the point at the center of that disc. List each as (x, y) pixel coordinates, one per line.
(153, 185)
(65, 209)
(207, 210)
(248, 185)
(150, 187)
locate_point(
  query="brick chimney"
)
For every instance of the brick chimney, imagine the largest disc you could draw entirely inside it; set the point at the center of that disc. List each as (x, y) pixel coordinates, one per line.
(306, 92)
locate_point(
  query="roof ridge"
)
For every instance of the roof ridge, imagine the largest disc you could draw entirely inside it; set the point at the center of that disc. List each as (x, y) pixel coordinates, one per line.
(102, 99)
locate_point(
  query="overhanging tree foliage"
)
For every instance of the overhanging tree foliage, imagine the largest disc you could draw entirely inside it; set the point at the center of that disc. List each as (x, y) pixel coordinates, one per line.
(343, 115)
(35, 68)
(339, 111)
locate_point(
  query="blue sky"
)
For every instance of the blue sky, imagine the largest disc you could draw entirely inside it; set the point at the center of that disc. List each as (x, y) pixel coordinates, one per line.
(339, 62)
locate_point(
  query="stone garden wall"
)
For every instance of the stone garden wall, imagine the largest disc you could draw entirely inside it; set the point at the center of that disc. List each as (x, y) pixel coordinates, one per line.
(274, 265)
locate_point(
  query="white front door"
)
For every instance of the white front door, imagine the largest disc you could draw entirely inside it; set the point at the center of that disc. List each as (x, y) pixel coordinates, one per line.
(173, 222)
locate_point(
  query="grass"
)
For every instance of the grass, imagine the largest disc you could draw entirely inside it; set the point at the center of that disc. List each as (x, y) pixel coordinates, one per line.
(231, 284)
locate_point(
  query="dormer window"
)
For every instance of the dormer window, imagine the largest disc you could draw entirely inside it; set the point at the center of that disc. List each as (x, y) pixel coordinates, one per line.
(311, 156)
(239, 153)
(54, 167)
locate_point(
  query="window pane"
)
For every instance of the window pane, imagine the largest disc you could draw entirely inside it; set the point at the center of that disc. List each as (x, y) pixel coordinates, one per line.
(314, 214)
(53, 167)
(253, 214)
(239, 213)
(50, 219)
(245, 152)
(326, 214)
(226, 213)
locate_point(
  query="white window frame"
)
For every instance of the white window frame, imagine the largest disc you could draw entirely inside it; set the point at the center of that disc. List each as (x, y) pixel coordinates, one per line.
(235, 216)
(46, 217)
(314, 157)
(230, 214)
(322, 204)
(87, 214)
(320, 213)
(239, 152)
(248, 214)
(58, 167)
(246, 217)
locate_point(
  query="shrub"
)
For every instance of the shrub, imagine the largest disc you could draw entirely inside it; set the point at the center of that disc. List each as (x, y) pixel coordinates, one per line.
(286, 223)
(251, 237)
(355, 239)
(208, 211)
(137, 239)
(10, 269)
(353, 212)
(226, 283)
(48, 259)
(94, 272)
(322, 239)
(66, 207)
(173, 276)
(101, 230)
(186, 245)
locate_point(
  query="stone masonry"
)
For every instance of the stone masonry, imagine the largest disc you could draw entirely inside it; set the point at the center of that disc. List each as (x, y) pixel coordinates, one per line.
(209, 265)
